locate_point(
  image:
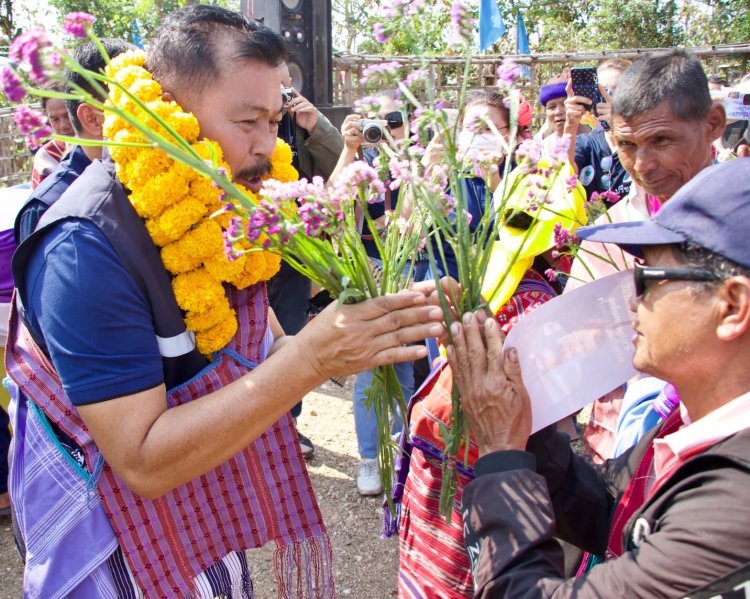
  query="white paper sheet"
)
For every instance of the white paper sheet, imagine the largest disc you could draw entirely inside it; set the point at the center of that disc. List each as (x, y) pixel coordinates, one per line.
(576, 347)
(11, 201)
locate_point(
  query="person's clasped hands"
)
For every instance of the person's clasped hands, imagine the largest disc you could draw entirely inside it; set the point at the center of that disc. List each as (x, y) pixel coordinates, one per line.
(488, 376)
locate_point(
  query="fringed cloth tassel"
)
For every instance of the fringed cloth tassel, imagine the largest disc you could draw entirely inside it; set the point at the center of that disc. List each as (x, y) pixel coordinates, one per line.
(304, 569)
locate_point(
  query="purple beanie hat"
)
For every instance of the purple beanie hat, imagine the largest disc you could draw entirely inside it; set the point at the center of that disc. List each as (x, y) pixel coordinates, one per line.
(552, 91)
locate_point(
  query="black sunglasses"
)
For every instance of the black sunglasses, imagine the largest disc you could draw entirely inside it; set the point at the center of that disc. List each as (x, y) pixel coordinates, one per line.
(642, 273)
(394, 120)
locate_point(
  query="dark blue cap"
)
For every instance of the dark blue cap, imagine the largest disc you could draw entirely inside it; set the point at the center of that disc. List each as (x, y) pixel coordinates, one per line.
(711, 210)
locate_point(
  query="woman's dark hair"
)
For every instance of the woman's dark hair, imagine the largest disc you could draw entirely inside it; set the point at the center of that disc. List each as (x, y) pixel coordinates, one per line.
(487, 98)
(186, 51)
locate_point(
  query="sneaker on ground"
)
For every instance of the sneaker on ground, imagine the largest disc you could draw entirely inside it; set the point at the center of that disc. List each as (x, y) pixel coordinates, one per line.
(368, 480)
(308, 449)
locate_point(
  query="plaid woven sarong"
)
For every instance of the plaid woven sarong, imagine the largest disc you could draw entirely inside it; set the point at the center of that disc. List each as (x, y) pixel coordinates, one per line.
(262, 494)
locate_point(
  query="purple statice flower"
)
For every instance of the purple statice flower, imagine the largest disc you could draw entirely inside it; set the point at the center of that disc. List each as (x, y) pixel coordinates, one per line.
(571, 182)
(610, 197)
(381, 68)
(415, 76)
(550, 274)
(27, 119)
(279, 193)
(272, 212)
(463, 22)
(436, 186)
(234, 228)
(29, 49)
(314, 216)
(227, 207)
(508, 73)
(559, 152)
(400, 172)
(355, 177)
(12, 85)
(561, 236)
(255, 226)
(231, 234)
(382, 35)
(529, 153)
(78, 23)
(401, 8)
(37, 137)
(366, 105)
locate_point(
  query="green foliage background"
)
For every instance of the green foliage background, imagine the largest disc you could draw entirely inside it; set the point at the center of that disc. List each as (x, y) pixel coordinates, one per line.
(558, 26)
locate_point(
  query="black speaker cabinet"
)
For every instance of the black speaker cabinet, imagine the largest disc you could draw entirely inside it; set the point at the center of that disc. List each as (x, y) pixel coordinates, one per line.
(305, 26)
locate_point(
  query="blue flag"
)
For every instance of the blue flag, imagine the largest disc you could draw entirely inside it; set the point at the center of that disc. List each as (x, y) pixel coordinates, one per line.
(522, 43)
(522, 38)
(135, 35)
(491, 26)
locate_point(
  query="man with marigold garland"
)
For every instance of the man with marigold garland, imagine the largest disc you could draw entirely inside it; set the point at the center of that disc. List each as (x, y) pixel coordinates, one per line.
(185, 454)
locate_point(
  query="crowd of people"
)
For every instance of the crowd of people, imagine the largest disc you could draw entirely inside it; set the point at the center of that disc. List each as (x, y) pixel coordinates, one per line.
(140, 467)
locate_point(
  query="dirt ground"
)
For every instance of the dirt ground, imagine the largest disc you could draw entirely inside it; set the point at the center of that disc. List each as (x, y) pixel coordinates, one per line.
(364, 565)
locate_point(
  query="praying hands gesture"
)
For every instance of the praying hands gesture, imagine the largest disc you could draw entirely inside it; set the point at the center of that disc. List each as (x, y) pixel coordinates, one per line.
(493, 395)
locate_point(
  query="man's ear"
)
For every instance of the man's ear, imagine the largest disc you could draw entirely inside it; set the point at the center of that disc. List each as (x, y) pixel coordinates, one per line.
(716, 121)
(734, 302)
(92, 120)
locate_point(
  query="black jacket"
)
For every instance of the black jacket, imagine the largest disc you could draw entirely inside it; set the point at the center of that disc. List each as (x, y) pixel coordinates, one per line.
(699, 539)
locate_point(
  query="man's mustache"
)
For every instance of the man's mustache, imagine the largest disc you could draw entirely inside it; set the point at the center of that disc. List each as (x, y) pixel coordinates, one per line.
(261, 169)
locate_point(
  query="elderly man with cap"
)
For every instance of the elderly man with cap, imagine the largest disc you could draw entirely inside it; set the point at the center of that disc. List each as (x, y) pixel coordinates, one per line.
(668, 514)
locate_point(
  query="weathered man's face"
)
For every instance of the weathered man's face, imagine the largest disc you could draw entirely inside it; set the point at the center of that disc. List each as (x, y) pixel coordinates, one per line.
(662, 152)
(673, 321)
(57, 115)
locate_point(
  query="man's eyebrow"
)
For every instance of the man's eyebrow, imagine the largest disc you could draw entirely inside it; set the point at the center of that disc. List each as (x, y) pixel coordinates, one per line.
(250, 107)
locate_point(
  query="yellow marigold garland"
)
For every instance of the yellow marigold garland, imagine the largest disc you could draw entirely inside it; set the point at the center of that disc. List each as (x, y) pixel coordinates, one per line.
(177, 203)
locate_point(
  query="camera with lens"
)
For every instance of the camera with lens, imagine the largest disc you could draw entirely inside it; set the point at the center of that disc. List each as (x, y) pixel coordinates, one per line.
(372, 131)
(287, 93)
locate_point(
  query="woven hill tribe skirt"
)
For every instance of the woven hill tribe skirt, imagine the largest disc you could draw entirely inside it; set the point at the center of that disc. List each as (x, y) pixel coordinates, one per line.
(84, 533)
(433, 561)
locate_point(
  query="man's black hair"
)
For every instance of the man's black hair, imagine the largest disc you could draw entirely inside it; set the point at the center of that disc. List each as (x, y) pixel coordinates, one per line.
(674, 76)
(90, 58)
(185, 52)
(696, 256)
